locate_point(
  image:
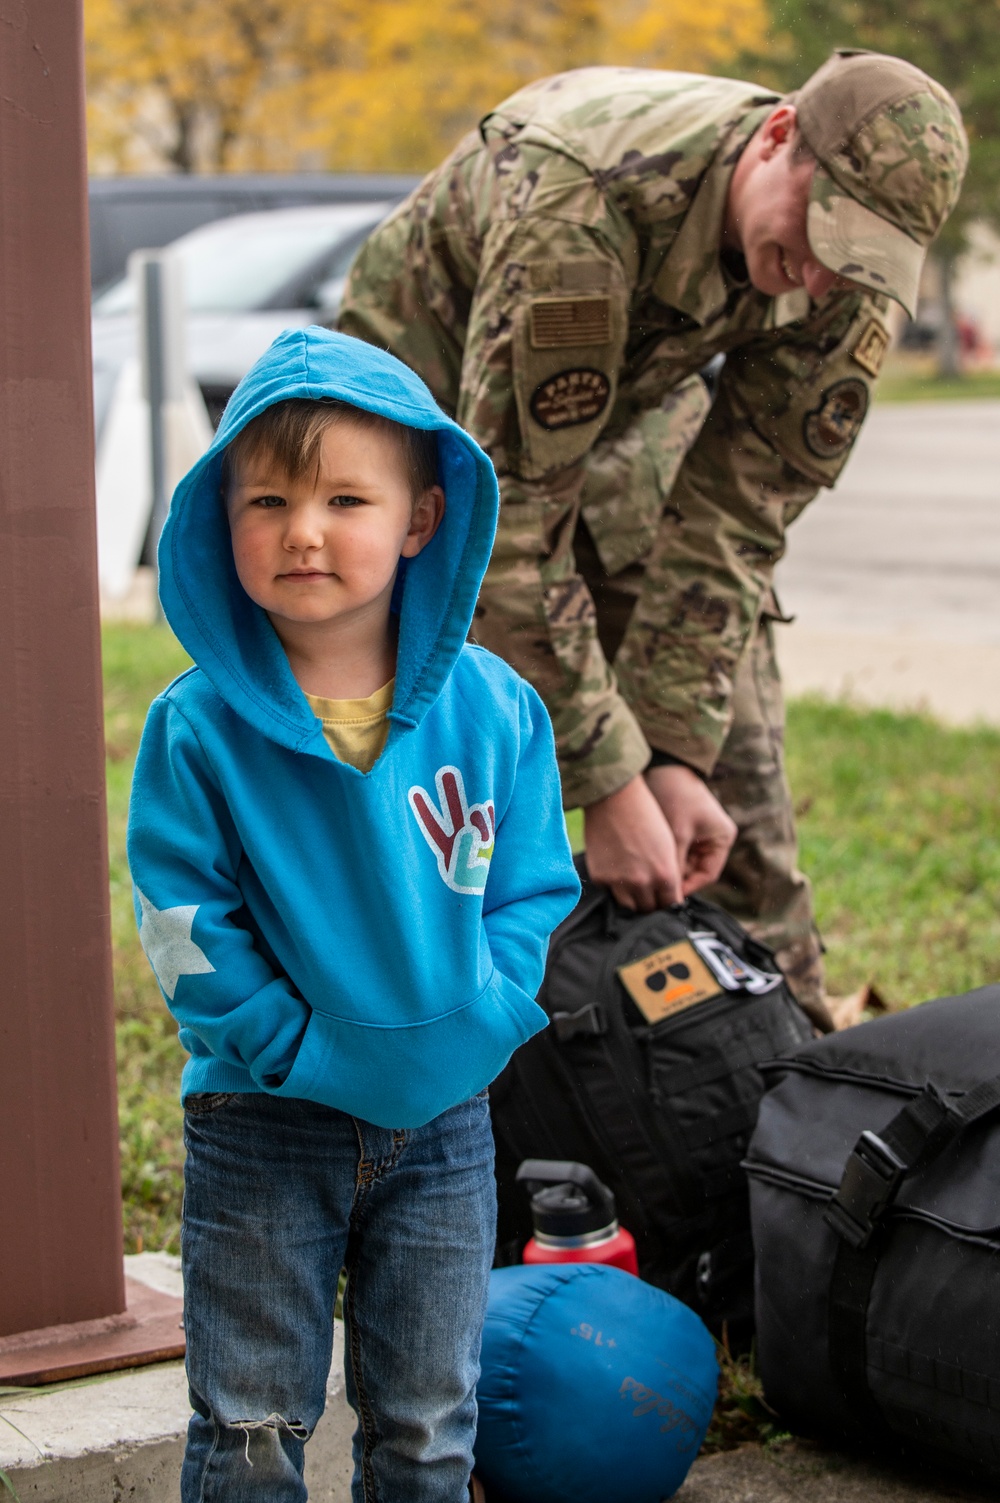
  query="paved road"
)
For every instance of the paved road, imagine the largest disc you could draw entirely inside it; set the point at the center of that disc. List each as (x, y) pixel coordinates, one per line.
(894, 576)
(909, 541)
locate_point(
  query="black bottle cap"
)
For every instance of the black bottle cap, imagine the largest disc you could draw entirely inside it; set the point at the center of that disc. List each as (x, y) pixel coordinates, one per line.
(567, 1199)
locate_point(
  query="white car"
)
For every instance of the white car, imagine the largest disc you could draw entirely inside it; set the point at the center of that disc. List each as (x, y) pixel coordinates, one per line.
(245, 279)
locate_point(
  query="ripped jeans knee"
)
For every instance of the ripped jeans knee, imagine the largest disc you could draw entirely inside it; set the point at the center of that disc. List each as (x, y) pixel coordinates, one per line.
(275, 1424)
(244, 1460)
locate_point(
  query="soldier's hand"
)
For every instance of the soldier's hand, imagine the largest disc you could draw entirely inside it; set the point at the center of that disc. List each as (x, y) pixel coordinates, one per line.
(630, 848)
(702, 829)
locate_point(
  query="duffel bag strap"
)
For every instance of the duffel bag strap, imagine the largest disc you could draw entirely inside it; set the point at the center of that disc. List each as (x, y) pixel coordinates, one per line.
(876, 1169)
(879, 1162)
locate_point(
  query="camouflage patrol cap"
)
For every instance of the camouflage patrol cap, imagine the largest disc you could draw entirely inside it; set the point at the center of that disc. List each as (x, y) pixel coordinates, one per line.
(891, 153)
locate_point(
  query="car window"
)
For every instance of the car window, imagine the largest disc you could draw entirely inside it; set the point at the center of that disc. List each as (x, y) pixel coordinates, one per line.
(321, 284)
(237, 265)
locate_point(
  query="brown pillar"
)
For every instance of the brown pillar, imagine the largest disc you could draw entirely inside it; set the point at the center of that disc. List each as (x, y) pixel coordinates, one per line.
(60, 1208)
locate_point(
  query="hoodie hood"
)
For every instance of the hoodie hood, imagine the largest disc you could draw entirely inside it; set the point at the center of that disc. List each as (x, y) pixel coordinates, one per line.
(230, 637)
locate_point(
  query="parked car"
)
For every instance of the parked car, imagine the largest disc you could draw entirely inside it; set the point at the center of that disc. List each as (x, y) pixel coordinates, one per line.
(133, 213)
(246, 278)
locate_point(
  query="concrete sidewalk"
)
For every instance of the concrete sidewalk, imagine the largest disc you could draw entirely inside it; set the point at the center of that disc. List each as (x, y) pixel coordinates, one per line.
(121, 1437)
(956, 682)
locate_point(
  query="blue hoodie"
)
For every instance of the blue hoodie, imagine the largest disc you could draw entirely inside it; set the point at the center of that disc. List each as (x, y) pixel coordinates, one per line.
(372, 941)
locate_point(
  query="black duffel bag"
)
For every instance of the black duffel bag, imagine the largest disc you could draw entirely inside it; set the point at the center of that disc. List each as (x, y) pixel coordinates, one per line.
(875, 1192)
(648, 1074)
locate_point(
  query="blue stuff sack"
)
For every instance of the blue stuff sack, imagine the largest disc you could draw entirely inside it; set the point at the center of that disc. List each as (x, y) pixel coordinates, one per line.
(595, 1387)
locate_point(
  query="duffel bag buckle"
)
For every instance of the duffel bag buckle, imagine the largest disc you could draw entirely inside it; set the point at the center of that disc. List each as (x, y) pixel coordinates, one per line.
(872, 1176)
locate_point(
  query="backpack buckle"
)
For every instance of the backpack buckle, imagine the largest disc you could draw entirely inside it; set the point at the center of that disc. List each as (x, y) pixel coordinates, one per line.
(590, 1020)
(872, 1175)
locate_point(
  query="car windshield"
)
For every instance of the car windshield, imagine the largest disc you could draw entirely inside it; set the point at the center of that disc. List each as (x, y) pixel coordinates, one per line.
(238, 264)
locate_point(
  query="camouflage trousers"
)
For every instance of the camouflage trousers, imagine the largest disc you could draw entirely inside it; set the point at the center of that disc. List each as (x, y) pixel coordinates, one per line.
(761, 885)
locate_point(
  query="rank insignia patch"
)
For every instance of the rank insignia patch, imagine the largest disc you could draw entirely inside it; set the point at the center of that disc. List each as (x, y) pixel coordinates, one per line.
(831, 428)
(569, 398)
(869, 352)
(561, 322)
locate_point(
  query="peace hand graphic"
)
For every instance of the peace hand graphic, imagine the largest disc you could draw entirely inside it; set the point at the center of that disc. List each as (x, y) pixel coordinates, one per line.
(460, 837)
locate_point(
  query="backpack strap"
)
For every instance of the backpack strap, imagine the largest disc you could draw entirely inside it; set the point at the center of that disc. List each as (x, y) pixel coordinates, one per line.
(873, 1175)
(591, 900)
(604, 1073)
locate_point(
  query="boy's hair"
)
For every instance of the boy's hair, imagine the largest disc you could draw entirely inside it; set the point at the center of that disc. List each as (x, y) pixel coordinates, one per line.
(289, 435)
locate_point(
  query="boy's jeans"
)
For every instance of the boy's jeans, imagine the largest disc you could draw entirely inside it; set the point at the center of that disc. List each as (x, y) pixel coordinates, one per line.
(279, 1194)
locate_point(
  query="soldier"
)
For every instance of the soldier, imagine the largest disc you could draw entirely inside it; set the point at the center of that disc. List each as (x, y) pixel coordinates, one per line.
(560, 281)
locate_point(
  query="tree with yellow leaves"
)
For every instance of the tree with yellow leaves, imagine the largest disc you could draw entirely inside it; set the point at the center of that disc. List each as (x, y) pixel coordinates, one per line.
(224, 85)
(185, 81)
(411, 78)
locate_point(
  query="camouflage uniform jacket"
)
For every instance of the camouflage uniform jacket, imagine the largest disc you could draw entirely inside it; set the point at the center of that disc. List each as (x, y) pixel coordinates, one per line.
(559, 281)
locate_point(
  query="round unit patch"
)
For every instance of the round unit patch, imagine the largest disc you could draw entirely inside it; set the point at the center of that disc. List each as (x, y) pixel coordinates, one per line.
(833, 426)
(570, 397)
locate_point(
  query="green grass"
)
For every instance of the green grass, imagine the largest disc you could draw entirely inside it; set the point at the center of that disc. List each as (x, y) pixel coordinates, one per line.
(897, 818)
(138, 662)
(741, 1415)
(924, 386)
(898, 821)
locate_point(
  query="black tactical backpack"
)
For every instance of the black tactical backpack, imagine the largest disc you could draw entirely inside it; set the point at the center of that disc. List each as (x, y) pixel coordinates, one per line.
(875, 1190)
(649, 1074)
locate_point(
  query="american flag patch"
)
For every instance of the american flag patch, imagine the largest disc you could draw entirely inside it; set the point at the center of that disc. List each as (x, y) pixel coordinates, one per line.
(558, 323)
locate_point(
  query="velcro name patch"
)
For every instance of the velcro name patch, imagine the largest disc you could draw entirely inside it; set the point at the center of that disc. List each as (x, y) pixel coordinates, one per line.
(564, 322)
(569, 398)
(668, 981)
(870, 348)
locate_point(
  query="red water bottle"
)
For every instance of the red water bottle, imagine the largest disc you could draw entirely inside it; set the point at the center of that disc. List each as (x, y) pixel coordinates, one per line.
(573, 1214)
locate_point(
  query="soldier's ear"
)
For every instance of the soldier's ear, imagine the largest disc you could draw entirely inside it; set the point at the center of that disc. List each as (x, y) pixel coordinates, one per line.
(778, 130)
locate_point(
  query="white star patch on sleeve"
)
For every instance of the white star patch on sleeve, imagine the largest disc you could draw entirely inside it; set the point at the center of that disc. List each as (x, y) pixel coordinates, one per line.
(165, 935)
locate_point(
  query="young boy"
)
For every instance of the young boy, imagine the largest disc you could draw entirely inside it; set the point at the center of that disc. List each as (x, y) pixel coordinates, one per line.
(348, 855)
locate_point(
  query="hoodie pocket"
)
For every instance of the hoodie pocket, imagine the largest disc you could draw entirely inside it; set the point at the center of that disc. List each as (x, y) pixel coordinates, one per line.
(402, 1077)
